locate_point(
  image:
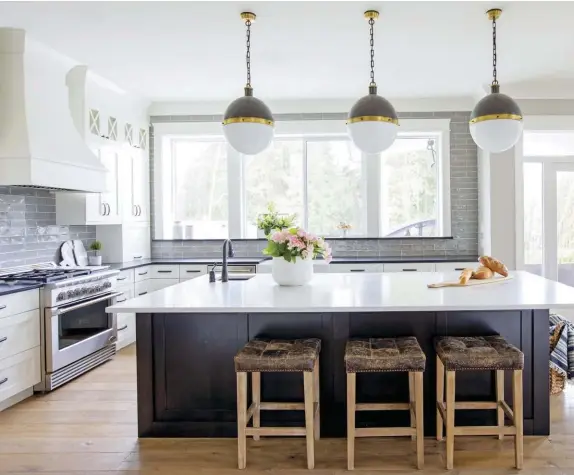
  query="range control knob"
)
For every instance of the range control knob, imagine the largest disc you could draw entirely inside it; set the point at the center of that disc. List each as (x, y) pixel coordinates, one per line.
(77, 292)
(107, 284)
(83, 291)
(69, 294)
(61, 296)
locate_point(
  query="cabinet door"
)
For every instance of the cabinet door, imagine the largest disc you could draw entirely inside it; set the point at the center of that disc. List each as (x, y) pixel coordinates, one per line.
(95, 208)
(111, 198)
(140, 184)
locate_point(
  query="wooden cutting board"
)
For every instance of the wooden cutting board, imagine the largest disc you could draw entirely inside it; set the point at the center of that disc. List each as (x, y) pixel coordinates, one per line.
(470, 283)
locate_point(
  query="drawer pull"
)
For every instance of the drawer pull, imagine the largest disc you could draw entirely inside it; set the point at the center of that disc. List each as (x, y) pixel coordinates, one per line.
(3, 339)
(121, 278)
(459, 268)
(143, 293)
(357, 270)
(120, 301)
(142, 273)
(2, 381)
(138, 257)
(193, 271)
(409, 270)
(2, 307)
(125, 327)
(164, 272)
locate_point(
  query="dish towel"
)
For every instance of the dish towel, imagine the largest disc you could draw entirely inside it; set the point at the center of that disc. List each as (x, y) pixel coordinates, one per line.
(562, 358)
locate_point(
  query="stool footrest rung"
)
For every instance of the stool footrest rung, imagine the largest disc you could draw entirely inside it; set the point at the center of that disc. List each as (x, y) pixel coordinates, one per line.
(386, 406)
(385, 432)
(276, 431)
(484, 430)
(282, 406)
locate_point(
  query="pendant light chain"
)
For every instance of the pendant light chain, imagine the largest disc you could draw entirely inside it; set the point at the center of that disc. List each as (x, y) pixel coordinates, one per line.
(372, 42)
(248, 53)
(494, 58)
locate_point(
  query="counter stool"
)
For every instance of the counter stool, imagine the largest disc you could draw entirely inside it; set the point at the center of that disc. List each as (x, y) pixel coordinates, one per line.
(489, 353)
(378, 355)
(260, 356)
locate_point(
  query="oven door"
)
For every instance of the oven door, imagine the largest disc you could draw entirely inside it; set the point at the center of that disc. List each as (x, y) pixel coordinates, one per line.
(79, 329)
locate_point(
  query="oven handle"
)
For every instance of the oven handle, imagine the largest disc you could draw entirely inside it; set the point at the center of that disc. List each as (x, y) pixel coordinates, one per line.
(88, 303)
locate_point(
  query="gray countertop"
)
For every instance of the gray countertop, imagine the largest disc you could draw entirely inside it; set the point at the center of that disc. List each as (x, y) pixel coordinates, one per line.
(259, 259)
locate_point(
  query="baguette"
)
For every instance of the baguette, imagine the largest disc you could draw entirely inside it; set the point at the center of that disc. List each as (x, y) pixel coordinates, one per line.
(465, 276)
(494, 265)
(482, 273)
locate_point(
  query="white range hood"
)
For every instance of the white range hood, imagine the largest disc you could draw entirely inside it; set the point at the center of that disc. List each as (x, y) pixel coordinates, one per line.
(40, 146)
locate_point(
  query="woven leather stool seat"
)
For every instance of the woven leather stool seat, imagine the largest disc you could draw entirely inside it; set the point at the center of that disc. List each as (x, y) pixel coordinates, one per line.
(478, 352)
(384, 354)
(262, 355)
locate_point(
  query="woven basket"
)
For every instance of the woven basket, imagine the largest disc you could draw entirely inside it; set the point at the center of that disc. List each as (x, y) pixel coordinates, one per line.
(557, 380)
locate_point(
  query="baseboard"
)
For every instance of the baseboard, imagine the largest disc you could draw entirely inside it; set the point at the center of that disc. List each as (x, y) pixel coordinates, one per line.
(11, 401)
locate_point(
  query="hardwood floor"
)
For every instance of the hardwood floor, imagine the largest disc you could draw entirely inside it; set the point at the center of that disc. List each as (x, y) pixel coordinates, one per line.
(88, 427)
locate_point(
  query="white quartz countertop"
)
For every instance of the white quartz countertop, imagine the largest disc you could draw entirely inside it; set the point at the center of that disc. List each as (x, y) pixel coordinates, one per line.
(364, 292)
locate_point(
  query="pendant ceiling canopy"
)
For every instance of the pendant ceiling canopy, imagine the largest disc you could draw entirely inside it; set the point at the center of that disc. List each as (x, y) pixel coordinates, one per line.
(496, 121)
(372, 122)
(248, 123)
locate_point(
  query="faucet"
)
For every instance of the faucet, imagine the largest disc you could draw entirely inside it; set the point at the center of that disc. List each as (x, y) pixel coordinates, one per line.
(227, 252)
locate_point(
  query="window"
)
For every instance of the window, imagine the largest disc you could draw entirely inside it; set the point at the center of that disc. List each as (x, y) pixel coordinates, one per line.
(200, 189)
(203, 189)
(409, 188)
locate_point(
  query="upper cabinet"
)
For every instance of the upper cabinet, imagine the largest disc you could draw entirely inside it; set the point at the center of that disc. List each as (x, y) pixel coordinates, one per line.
(114, 125)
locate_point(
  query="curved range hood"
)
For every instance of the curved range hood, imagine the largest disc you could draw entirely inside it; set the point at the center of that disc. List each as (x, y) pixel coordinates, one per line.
(40, 147)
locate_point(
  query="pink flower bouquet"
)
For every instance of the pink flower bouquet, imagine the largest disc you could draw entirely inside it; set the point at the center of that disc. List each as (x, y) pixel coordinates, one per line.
(296, 242)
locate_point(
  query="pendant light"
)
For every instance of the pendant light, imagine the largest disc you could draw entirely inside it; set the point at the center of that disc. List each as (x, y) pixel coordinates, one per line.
(372, 122)
(496, 121)
(248, 122)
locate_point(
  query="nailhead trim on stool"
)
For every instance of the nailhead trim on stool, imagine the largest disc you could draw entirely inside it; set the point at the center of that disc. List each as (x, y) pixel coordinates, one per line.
(478, 352)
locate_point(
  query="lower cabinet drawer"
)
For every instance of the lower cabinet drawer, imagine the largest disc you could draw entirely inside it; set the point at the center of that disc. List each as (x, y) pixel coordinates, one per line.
(191, 271)
(455, 266)
(355, 267)
(158, 271)
(126, 277)
(142, 288)
(19, 302)
(157, 284)
(19, 372)
(126, 329)
(410, 267)
(127, 291)
(19, 333)
(142, 273)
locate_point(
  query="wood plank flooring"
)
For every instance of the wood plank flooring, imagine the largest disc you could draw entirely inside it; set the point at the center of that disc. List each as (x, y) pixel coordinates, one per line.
(88, 427)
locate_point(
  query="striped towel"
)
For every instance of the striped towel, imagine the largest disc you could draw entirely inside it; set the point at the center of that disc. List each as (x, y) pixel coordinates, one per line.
(562, 358)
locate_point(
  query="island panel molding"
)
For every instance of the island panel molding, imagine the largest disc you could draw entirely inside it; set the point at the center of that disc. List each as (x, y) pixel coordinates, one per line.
(186, 377)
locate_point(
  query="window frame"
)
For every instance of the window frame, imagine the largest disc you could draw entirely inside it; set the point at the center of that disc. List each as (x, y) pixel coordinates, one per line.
(308, 130)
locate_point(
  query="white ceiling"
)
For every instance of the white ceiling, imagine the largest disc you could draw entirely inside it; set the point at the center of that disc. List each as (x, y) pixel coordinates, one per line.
(195, 50)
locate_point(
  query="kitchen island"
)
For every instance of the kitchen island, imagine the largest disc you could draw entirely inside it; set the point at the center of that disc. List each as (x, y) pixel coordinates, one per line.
(188, 334)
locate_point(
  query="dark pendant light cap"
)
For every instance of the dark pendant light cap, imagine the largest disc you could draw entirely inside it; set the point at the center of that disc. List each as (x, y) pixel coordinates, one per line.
(373, 107)
(495, 106)
(248, 109)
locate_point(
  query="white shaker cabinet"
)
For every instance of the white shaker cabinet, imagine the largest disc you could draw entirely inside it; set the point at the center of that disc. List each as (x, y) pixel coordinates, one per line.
(135, 185)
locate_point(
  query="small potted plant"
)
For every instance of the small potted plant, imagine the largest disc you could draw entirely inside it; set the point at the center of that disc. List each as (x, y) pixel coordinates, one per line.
(273, 221)
(344, 228)
(95, 260)
(293, 251)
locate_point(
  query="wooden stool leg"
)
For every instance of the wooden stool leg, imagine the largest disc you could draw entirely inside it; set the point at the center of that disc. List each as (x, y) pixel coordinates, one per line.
(256, 399)
(412, 400)
(450, 389)
(518, 410)
(419, 397)
(351, 388)
(499, 399)
(241, 419)
(316, 391)
(439, 396)
(309, 417)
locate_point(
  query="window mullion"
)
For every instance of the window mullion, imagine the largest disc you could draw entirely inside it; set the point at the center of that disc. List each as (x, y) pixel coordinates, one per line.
(235, 193)
(305, 187)
(372, 167)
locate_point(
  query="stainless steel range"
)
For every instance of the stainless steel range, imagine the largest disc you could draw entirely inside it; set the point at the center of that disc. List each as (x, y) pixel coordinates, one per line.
(76, 332)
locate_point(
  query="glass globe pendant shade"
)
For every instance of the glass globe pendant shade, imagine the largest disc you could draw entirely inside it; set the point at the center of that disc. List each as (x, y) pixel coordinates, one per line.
(373, 123)
(248, 124)
(496, 122)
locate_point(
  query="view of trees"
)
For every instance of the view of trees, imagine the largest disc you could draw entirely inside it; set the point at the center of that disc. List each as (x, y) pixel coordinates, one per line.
(533, 227)
(335, 185)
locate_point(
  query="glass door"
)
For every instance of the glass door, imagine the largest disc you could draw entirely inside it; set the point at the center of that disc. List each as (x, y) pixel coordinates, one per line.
(549, 218)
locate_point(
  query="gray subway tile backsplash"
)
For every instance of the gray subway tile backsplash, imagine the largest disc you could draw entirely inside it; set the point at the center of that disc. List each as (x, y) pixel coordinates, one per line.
(28, 230)
(464, 201)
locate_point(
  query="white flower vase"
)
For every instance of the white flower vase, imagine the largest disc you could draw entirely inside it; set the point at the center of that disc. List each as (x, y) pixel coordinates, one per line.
(95, 260)
(295, 273)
